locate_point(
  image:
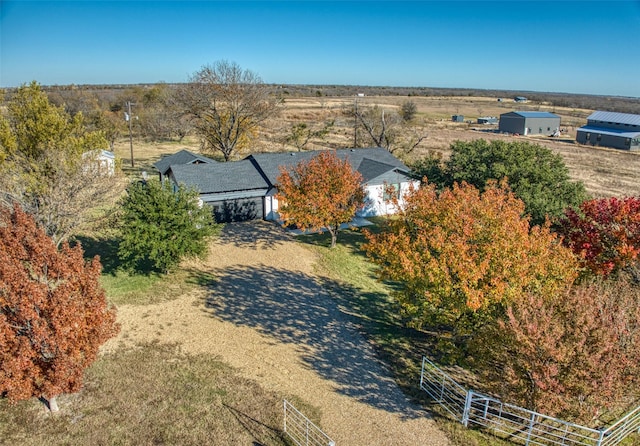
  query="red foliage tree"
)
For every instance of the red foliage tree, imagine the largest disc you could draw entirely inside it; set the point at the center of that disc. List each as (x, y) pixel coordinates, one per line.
(605, 233)
(570, 355)
(53, 312)
(323, 192)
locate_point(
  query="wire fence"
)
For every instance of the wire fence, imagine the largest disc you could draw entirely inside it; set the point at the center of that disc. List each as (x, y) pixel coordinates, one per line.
(515, 423)
(301, 430)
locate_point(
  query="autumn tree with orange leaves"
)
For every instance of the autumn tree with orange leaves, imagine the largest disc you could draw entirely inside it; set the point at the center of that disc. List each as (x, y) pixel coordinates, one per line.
(53, 312)
(321, 193)
(463, 254)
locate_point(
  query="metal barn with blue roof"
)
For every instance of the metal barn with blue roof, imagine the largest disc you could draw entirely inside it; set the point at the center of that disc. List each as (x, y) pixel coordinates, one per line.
(611, 129)
(529, 123)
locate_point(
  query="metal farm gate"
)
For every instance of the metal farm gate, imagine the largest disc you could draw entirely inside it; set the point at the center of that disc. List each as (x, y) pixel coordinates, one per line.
(301, 430)
(515, 423)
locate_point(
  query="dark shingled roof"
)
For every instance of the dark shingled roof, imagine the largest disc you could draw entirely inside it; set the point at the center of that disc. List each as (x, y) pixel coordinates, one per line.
(261, 170)
(379, 160)
(219, 177)
(182, 157)
(370, 169)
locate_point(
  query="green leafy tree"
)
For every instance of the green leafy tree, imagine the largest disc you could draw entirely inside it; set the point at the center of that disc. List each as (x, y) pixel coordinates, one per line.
(461, 255)
(161, 226)
(53, 312)
(45, 159)
(535, 174)
(431, 168)
(324, 192)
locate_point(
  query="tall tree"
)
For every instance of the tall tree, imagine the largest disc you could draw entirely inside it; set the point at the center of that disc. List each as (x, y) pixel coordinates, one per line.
(47, 157)
(386, 129)
(465, 253)
(535, 174)
(571, 355)
(53, 312)
(324, 192)
(605, 233)
(160, 227)
(227, 105)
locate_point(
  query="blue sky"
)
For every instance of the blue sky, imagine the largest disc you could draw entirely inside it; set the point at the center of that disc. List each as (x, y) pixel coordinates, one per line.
(572, 46)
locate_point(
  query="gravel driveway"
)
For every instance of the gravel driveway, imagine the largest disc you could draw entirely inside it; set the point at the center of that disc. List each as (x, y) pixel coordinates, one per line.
(268, 315)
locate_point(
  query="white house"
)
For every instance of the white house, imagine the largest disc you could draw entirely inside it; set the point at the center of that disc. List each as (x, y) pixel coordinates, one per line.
(246, 189)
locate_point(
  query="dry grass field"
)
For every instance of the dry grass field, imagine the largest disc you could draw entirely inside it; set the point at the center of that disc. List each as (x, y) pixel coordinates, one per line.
(605, 172)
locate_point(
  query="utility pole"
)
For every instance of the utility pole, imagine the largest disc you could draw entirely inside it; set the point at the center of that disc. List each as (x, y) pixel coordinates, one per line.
(128, 117)
(355, 123)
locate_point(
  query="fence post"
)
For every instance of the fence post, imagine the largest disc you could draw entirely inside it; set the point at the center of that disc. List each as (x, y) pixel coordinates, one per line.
(422, 372)
(531, 423)
(467, 408)
(601, 438)
(285, 415)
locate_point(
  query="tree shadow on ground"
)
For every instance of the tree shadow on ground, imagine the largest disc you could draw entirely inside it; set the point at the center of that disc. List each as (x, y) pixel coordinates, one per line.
(104, 247)
(297, 308)
(256, 234)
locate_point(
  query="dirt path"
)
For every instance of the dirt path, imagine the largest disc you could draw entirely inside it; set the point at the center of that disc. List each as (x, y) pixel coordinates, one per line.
(268, 315)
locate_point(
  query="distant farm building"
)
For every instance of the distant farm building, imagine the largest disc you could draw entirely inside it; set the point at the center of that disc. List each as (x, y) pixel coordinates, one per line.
(519, 99)
(99, 162)
(457, 118)
(487, 120)
(611, 129)
(529, 123)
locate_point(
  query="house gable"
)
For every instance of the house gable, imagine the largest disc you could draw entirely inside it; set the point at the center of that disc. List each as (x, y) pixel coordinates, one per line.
(180, 158)
(271, 163)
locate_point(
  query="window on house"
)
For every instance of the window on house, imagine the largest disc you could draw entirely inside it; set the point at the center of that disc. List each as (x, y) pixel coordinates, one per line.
(391, 191)
(548, 129)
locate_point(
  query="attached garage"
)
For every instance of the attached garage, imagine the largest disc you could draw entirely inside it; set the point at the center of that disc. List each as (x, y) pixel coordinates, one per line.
(237, 209)
(234, 190)
(529, 123)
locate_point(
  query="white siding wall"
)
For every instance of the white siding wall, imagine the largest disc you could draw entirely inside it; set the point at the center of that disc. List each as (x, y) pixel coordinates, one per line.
(271, 208)
(374, 202)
